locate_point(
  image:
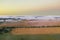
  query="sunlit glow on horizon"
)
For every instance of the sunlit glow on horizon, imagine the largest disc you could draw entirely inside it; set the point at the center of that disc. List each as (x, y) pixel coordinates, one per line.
(23, 6)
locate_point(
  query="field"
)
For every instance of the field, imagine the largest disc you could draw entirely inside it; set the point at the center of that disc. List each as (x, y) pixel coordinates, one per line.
(46, 33)
(20, 31)
(32, 34)
(30, 37)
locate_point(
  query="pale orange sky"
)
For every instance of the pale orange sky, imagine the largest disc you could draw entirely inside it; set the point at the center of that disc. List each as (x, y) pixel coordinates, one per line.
(28, 7)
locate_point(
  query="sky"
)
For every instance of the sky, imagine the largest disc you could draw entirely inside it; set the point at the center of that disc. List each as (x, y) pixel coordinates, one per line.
(29, 7)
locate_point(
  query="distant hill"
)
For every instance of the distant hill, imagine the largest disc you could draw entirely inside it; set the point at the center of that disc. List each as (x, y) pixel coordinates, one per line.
(30, 20)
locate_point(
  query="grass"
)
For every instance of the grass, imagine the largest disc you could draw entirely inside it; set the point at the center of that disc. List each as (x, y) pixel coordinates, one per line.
(8, 36)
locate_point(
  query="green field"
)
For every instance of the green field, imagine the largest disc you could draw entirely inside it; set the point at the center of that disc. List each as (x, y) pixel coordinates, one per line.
(30, 37)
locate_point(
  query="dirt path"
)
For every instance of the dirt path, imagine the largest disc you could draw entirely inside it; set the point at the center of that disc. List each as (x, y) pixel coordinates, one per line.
(18, 31)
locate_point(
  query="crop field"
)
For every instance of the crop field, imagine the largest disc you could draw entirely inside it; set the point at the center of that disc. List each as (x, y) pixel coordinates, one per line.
(51, 33)
(20, 31)
(32, 34)
(45, 33)
(9, 36)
